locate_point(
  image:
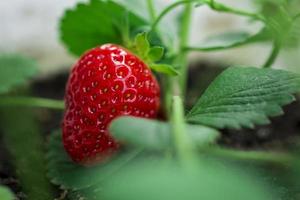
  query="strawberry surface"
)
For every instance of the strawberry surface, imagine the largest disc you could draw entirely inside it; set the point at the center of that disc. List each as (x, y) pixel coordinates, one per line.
(107, 82)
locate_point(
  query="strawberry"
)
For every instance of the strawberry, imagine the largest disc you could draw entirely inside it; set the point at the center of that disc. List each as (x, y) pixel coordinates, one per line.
(107, 82)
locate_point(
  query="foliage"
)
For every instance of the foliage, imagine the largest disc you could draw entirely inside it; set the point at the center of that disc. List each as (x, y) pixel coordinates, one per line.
(160, 160)
(244, 96)
(15, 70)
(156, 134)
(149, 174)
(22, 137)
(100, 22)
(5, 193)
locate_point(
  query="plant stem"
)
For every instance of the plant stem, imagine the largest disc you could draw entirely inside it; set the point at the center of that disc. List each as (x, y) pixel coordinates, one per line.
(151, 10)
(184, 39)
(274, 53)
(256, 156)
(182, 142)
(213, 5)
(32, 102)
(223, 8)
(167, 10)
(177, 85)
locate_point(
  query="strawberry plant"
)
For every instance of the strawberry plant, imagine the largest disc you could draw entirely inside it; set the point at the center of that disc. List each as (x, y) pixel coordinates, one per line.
(126, 131)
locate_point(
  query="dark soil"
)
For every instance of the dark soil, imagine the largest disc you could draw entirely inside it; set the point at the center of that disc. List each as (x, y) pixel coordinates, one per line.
(281, 134)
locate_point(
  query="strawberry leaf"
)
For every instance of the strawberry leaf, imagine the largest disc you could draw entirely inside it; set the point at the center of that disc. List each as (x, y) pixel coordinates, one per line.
(15, 70)
(21, 134)
(142, 44)
(163, 179)
(156, 134)
(156, 53)
(97, 22)
(244, 96)
(164, 68)
(5, 193)
(69, 175)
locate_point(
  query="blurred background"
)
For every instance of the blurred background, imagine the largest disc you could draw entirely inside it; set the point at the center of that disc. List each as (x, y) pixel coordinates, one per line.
(31, 28)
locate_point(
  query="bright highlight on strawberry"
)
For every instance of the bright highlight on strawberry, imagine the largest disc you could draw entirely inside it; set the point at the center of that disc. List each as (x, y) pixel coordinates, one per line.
(107, 82)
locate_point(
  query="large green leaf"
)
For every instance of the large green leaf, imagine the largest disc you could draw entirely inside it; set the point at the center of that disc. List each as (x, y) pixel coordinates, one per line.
(167, 180)
(154, 134)
(5, 193)
(95, 23)
(244, 96)
(69, 175)
(15, 70)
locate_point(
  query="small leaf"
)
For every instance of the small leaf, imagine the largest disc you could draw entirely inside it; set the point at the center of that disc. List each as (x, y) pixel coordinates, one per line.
(156, 53)
(15, 70)
(164, 69)
(142, 44)
(94, 23)
(157, 135)
(6, 194)
(162, 180)
(69, 175)
(244, 96)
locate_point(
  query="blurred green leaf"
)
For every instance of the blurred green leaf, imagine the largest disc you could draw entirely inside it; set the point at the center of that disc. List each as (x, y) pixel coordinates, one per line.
(142, 44)
(6, 194)
(164, 69)
(15, 70)
(69, 175)
(152, 134)
(24, 141)
(156, 53)
(244, 96)
(96, 22)
(160, 180)
(279, 20)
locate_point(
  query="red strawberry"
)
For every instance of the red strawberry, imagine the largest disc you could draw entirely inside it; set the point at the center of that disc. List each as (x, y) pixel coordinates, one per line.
(107, 81)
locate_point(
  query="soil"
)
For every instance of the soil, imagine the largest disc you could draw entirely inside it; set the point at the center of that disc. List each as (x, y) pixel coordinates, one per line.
(280, 134)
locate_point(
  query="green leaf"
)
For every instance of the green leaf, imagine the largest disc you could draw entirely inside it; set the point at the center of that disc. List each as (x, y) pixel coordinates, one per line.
(230, 40)
(163, 180)
(164, 69)
(156, 53)
(6, 194)
(96, 22)
(15, 70)
(142, 44)
(69, 175)
(157, 135)
(23, 139)
(244, 96)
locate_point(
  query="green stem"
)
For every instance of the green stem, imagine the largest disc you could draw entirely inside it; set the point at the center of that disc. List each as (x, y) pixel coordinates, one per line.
(184, 39)
(223, 8)
(32, 102)
(274, 54)
(167, 10)
(176, 86)
(255, 156)
(213, 5)
(151, 10)
(182, 142)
